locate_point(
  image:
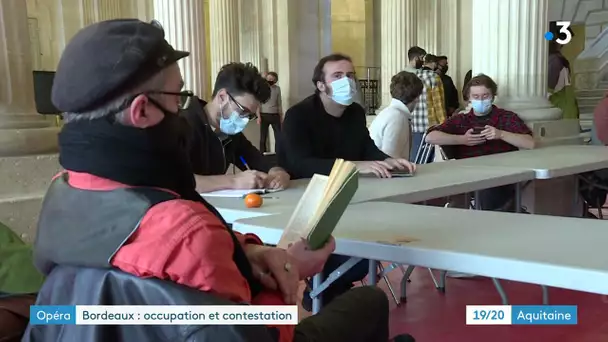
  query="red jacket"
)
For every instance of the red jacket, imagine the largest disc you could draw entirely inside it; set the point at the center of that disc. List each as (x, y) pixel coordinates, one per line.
(182, 241)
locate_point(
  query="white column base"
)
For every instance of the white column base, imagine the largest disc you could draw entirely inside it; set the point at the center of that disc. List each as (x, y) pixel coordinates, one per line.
(531, 109)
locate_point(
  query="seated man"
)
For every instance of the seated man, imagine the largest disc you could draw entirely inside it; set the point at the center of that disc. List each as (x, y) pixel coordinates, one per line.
(127, 201)
(485, 129)
(217, 139)
(329, 125)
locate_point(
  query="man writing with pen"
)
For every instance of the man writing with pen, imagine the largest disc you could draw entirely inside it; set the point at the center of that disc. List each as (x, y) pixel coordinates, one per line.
(216, 140)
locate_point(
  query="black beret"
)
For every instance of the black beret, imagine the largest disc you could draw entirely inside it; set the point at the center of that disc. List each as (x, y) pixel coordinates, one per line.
(106, 59)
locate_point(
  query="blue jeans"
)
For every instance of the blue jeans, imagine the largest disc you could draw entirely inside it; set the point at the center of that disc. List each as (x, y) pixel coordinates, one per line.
(416, 142)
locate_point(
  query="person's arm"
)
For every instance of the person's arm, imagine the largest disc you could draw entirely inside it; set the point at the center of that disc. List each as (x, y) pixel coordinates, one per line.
(188, 245)
(514, 131)
(206, 184)
(448, 133)
(252, 156)
(297, 137)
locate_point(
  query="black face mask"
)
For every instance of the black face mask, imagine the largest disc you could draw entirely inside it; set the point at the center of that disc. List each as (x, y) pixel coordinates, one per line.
(443, 69)
(272, 82)
(171, 134)
(419, 64)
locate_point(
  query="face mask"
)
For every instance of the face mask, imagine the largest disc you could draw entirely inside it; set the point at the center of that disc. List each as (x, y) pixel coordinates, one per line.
(444, 69)
(419, 64)
(170, 135)
(481, 107)
(234, 124)
(343, 91)
(272, 82)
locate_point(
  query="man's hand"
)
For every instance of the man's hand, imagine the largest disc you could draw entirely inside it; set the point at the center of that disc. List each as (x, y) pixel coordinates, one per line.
(310, 262)
(470, 139)
(400, 164)
(276, 270)
(277, 179)
(258, 120)
(491, 133)
(379, 168)
(249, 179)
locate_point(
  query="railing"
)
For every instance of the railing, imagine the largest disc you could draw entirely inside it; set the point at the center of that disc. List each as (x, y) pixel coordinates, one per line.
(369, 85)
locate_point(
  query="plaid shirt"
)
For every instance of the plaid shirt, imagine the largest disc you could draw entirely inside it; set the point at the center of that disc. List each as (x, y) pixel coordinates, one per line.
(498, 118)
(430, 109)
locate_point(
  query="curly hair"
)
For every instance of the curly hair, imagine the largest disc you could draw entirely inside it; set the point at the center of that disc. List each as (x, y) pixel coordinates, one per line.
(406, 87)
(239, 79)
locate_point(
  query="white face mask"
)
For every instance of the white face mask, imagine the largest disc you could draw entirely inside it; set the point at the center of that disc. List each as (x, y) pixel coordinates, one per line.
(234, 124)
(343, 91)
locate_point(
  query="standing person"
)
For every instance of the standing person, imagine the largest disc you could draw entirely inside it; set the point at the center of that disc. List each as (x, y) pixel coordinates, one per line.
(430, 62)
(449, 88)
(217, 141)
(560, 86)
(391, 130)
(329, 125)
(430, 109)
(271, 112)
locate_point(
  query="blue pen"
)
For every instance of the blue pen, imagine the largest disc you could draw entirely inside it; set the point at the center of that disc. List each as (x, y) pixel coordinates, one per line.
(244, 162)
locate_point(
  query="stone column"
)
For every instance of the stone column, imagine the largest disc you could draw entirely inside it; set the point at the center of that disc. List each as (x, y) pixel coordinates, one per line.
(22, 130)
(250, 32)
(184, 26)
(224, 35)
(427, 14)
(398, 29)
(508, 45)
(269, 33)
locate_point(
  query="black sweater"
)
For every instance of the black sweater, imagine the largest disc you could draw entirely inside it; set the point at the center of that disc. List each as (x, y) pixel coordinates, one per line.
(312, 139)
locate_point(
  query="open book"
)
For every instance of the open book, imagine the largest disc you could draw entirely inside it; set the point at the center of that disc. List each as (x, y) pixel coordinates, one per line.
(322, 205)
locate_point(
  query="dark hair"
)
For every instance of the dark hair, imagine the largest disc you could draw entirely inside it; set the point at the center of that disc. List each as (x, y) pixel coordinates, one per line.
(240, 79)
(318, 74)
(442, 58)
(415, 52)
(430, 59)
(480, 80)
(273, 74)
(467, 78)
(406, 87)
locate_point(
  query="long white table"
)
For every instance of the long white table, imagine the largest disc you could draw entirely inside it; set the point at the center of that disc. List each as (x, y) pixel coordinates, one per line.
(431, 181)
(549, 162)
(438, 180)
(546, 250)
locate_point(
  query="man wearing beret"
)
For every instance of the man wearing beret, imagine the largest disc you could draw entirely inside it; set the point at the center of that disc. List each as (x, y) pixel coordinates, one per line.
(217, 140)
(124, 225)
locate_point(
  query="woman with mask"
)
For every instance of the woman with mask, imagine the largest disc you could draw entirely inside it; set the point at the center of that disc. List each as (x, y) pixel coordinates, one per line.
(217, 140)
(391, 130)
(485, 129)
(271, 112)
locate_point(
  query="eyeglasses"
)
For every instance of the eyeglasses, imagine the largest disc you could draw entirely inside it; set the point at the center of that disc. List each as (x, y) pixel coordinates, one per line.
(244, 112)
(185, 97)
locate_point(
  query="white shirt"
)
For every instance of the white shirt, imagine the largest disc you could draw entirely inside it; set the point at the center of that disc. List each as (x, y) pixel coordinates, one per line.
(390, 130)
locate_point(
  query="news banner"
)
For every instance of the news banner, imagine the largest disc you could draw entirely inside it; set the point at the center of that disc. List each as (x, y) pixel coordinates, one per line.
(271, 315)
(522, 315)
(164, 315)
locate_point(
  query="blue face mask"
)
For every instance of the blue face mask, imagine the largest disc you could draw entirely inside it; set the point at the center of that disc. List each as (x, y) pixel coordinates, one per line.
(481, 107)
(234, 124)
(343, 91)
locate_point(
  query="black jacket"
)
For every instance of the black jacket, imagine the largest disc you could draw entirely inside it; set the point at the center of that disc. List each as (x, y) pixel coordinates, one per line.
(211, 154)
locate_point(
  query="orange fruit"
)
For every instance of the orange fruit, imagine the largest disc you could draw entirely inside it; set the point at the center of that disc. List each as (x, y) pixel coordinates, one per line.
(253, 201)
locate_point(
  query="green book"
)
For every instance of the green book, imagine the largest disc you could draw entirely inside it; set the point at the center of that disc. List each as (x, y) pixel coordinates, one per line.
(322, 206)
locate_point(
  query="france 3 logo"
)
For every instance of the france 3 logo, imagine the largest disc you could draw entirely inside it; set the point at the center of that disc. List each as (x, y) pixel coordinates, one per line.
(560, 32)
